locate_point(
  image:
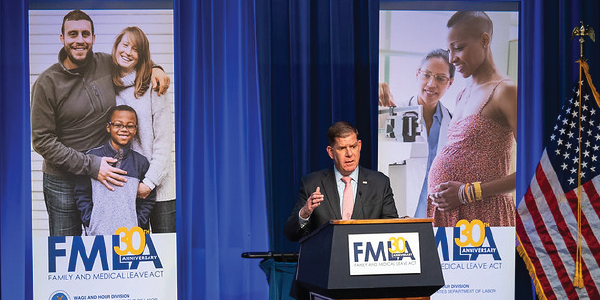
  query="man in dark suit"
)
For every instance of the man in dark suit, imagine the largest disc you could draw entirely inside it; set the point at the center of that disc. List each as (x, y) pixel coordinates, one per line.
(321, 196)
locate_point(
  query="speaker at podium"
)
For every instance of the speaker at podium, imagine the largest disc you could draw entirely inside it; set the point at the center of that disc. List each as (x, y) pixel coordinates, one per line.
(370, 259)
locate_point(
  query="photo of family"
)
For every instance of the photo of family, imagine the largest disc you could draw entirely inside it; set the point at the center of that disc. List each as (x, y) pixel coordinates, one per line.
(102, 121)
(448, 114)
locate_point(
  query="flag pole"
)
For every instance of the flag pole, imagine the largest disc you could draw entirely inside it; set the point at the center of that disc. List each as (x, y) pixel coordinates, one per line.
(581, 31)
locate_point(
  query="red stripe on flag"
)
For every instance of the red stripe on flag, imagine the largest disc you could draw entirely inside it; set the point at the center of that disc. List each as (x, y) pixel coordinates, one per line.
(594, 198)
(564, 277)
(590, 239)
(590, 190)
(535, 261)
(536, 218)
(569, 240)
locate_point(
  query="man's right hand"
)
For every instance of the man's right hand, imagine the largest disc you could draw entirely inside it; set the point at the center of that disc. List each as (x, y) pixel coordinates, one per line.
(110, 175)
(312, 202)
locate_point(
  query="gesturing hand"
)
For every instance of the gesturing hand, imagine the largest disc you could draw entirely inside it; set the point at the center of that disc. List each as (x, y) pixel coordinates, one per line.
(110, 175)
(312, 202)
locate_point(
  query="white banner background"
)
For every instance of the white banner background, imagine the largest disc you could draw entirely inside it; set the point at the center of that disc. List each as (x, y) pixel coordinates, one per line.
(144, 283)
(482, 277)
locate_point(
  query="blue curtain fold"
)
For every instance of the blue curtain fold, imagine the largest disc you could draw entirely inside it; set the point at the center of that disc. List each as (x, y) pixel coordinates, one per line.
(318, 65)
(15, 165)
(219, 154)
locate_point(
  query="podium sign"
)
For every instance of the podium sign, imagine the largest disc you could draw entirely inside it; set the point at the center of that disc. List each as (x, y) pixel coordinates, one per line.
(384, 253)
(362, 259)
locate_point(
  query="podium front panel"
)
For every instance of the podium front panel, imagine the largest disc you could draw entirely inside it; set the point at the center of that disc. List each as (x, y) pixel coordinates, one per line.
(324, 264)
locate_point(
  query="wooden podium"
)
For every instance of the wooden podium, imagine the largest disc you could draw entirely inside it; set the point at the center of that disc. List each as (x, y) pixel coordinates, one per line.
(326, 260)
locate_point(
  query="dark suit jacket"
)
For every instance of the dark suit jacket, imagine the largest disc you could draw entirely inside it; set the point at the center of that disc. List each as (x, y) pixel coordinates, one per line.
(374, 200)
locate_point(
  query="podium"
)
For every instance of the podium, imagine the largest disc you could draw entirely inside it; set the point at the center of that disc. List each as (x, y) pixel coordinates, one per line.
(370, 259)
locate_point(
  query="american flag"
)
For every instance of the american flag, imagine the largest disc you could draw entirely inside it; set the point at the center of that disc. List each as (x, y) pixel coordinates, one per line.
(547, 216)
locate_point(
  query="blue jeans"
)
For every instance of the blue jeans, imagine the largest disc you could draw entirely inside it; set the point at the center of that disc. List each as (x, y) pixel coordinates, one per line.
(162, 218)
(65, 218)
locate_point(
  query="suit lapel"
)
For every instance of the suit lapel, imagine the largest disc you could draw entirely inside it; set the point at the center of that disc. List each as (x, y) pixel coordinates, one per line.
(331, 193)
(358, 212)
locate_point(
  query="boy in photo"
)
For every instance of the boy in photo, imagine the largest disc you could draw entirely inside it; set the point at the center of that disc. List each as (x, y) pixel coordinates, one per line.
(104, 211)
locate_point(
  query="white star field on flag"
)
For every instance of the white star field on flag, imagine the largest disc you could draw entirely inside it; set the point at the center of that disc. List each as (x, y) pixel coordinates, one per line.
(563, 149)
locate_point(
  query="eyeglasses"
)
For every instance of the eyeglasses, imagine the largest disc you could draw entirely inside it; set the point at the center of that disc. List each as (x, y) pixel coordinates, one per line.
(426, 75)
(119, 126)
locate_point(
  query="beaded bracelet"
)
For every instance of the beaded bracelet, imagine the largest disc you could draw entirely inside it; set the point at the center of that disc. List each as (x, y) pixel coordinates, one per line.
(461, 195)
(472, 192)
(467, 193)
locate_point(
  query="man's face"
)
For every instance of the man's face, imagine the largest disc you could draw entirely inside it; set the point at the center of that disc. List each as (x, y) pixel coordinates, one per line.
(345, 153)
(78, 41)
(122, 128)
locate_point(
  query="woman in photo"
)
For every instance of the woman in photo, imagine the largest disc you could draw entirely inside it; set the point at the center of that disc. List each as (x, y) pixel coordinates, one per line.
(131, 77)
(469, 179)
(434, 76)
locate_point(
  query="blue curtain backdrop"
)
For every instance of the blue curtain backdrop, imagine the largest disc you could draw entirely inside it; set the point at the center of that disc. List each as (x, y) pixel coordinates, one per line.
(15, 170)
(220, 158)
(318, 65)
(220, 164)
(547, 72)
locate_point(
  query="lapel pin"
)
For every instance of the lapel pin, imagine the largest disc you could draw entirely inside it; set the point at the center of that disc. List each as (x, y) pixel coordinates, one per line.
(364, 182)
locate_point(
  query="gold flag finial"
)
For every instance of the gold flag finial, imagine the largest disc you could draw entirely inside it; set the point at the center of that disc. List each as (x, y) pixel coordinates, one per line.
(582, 31)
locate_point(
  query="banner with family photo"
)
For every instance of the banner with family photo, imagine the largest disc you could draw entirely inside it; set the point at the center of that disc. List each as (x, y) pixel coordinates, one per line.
(447, 128)
(103, 153)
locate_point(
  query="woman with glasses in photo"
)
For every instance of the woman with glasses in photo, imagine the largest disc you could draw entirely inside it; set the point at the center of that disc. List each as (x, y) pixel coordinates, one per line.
(434, 76)
(131, 77)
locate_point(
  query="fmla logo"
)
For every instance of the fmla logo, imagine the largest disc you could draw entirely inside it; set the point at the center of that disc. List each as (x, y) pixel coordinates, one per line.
(391, 248)
(384, 253)
(129, 249)
(469, 240)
